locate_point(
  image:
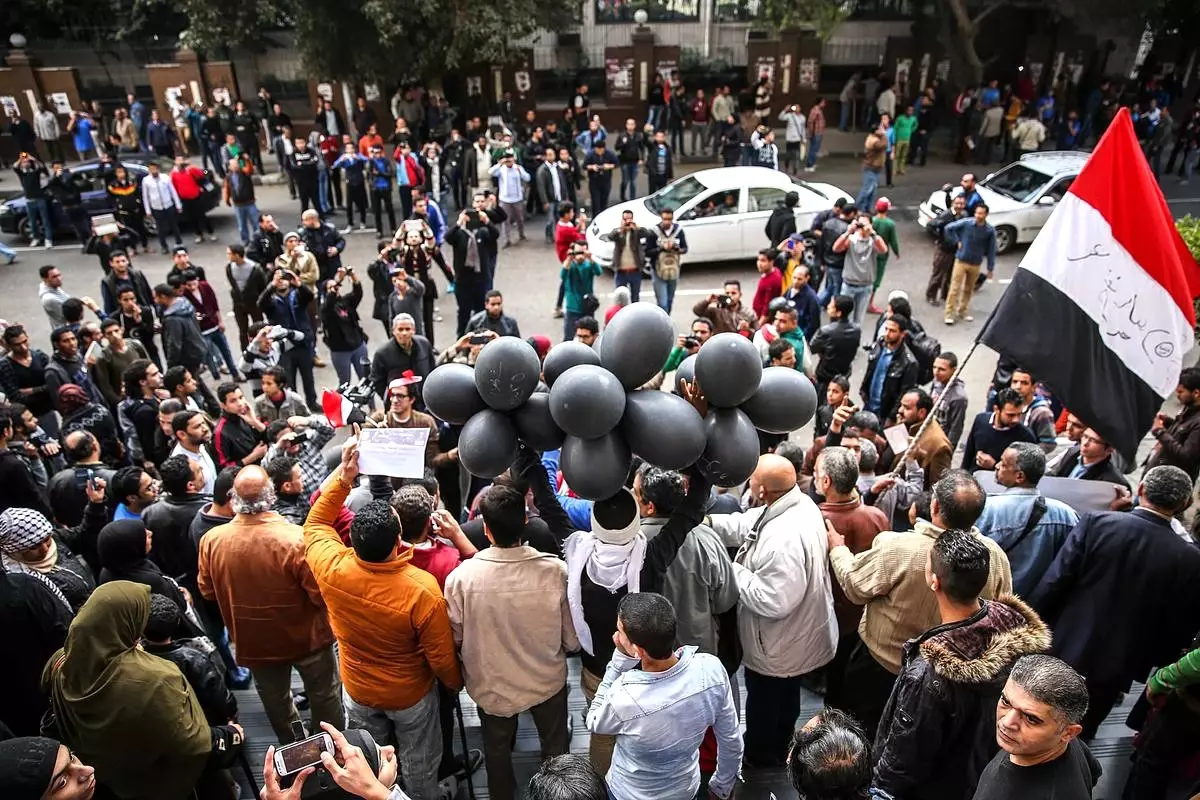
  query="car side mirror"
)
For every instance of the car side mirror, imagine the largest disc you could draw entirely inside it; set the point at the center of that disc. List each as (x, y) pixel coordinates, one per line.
(1047, 200)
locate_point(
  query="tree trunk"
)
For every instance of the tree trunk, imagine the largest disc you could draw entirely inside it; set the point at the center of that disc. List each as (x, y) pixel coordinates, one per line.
(966, 30)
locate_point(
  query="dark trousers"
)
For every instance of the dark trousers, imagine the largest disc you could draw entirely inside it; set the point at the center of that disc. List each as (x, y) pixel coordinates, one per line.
(1101, 699)
(471, 295)
(335, 186)
(244, 316)
(135, 222)
(1170, 737)
(772, 707)
(167, 222)
(356, 195)
(837, 691)
(631, 278)
(406, 202)
(55, 149)
(309, 196)
(918, 149)
(550, 717)
(380, 199)
(655, 180)
(459, 188)
(599, 191)
(193, 212)
(427, 302)
(939, 278)
(872, 686)
(887, 169)
(300, 359)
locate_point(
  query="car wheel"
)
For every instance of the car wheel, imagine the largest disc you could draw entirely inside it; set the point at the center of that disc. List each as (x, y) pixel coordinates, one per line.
(25, 229)
(1006, 239)
(151, 225)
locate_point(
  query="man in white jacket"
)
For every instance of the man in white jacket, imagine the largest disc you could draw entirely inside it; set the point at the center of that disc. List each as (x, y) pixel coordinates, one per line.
(786, 621)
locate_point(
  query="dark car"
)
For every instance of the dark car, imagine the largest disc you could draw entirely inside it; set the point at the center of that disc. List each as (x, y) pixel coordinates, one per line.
(14, 218)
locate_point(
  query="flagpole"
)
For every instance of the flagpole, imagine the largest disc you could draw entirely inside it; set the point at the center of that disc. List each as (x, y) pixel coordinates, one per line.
(937, 403)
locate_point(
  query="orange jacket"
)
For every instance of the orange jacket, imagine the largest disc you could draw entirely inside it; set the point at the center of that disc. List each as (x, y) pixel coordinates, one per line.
(390, 618)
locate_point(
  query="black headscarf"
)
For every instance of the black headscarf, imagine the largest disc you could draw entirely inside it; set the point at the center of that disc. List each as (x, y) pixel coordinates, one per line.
(122, 551)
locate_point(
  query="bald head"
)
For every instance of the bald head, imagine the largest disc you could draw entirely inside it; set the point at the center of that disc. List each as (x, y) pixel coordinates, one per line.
(253, 492)
(774, 477)
(80, 447)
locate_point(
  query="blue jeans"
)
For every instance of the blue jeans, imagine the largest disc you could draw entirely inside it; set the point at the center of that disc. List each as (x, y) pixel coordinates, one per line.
(40, 220)
(1189, 163)
(632, 279)
(814, 145)
(865, 201)
(212, 152)
(218, 348)
(861, 295)
(833, 285)
(343, 360)
(323, 192)
(8, 252)
(247, 221)
(551, 220)
(629, 173)
(664, 292)
(415, 731)
(844, 119)
(570, 318)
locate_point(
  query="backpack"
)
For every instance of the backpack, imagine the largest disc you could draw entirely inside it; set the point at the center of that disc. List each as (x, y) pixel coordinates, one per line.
(925, 349)
(667, 265)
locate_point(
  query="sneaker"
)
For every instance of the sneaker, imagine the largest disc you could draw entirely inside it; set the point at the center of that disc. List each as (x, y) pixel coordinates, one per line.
(968, 318)
(347, 229)
(318, 361)
(35, 243)
(212, 237)
(163, 251)
(949, 320)
(362, 226)
(50, 244)
(437, 318)
(199, 239)
(558, 313)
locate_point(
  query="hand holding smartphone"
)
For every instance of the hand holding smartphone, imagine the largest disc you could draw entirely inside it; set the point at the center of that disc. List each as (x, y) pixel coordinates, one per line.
(298, 756)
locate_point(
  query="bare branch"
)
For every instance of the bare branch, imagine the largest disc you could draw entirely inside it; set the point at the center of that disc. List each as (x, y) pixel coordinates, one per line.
(988, 9)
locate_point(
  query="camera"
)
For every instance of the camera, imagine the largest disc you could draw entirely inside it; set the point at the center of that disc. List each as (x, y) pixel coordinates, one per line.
(691, 342)
(725, 301)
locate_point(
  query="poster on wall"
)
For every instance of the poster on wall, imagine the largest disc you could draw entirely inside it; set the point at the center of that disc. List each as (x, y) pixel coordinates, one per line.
(62, 104)
(523, 82)
(665, 67)
(221, 95)
(618, 78)
(474, 85)
(808, 73)
(325, 91)
(943, 70)
(764, 67)
(9, 104)
(1035, 72)
(903, 71)
(371, 92)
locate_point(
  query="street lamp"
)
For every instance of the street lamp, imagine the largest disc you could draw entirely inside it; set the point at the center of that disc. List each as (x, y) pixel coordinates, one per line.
(640, 17)
(18, 41)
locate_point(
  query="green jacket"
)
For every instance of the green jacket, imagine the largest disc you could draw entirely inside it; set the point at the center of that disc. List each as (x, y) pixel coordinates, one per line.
(905, 125)
(676, 357)
(1182, 674)
(887, 229)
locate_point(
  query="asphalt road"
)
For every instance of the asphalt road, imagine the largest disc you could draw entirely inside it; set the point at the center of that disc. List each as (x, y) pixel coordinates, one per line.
(527, 272)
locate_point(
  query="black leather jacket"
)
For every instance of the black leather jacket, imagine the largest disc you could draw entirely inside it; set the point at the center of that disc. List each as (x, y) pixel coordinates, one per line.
(318, 240)
(837, 344)
(902, 374)
(197, 659)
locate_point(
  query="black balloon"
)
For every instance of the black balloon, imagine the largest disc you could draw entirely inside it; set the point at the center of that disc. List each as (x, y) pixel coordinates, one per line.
(565, 355)
(784, 402)
(729, 368)
(587, 401)
(506, 372)
(450, 394)
(686, 371)
(732, 450)
(487, 444)
(663, 428)
(536, 426)
(636, 343)
(596, 469)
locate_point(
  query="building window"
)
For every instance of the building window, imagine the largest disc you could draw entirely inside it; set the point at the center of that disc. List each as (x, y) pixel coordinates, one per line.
(738, 10)
(657, 10)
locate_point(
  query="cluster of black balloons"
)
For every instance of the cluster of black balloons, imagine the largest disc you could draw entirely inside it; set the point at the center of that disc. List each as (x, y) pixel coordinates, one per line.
(592, 407)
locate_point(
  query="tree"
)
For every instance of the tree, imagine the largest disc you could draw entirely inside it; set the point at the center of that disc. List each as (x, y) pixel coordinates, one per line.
(823, 15)
(384, 41)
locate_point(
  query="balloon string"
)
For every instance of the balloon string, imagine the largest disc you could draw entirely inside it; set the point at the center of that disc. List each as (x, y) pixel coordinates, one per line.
(936, 405)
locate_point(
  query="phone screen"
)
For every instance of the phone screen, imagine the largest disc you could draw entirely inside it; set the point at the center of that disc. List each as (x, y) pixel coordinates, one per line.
(306, 753)
(480, 339)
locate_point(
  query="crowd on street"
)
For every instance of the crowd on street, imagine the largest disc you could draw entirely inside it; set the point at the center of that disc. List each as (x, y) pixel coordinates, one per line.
(176, 522)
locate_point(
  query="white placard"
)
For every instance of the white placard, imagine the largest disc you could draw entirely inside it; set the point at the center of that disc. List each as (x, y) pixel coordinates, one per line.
(325, 91)
(396, 452)
(897, 438)
(221, 95)
(371, 92)
(61, 103)
(1083, 496)
(9, 104)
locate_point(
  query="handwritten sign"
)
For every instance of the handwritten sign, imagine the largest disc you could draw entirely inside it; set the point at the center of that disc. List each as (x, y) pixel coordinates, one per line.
(396, 452)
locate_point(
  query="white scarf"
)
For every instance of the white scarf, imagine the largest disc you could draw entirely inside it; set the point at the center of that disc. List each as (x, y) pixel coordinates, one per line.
(609, 566)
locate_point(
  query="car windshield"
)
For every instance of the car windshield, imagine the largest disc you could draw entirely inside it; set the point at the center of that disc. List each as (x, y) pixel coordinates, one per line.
(1018, 182)
(670, 198)
(810, 188)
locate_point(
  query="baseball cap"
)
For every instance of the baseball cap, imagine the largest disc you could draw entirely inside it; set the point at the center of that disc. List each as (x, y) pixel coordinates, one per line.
(883, 204)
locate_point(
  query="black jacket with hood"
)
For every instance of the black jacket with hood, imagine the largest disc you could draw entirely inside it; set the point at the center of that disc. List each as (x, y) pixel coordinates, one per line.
(938, 731)
(780, 225)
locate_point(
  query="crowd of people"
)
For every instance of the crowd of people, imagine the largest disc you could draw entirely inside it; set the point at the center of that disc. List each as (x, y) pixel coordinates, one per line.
(175, 526)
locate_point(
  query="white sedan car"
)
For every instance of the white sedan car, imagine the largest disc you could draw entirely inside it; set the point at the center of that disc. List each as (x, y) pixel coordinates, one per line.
(1020, 197)
(723, 211)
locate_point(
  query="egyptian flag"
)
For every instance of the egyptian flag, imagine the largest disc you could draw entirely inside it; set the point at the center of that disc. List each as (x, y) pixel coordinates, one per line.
(1100, 309)
(339, 410)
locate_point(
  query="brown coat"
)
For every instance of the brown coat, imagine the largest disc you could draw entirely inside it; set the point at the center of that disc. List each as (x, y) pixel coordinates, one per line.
(874, 154)
(932, 451)
(860, 525)
(254, 568)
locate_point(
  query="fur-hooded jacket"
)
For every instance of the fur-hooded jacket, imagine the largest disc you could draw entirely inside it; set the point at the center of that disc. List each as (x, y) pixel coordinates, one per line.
(939, 729)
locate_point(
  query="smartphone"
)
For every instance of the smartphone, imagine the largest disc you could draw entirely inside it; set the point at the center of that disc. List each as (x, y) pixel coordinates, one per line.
(93, 352)
(480, 338)
(294, 757)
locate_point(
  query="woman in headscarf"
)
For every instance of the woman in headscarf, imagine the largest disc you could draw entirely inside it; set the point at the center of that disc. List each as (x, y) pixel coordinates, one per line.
(30, 543)
(129, 714)
(81, 414)
(124, 547)
(37, 768)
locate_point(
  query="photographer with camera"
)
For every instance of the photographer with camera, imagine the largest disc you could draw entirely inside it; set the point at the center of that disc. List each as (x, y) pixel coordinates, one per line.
(302, 438)
(579, 298)
(344, 336)
(629, 253)
(284, 304)
(726, 312)
(688, 344)
(467, 348)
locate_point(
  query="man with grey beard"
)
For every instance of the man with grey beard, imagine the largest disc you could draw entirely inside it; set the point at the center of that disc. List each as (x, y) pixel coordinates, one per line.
(254, 568)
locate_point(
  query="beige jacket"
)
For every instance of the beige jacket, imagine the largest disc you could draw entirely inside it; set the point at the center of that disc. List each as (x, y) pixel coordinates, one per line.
(889, 580)
(1029, 134)
(305, 267)
(508, 610)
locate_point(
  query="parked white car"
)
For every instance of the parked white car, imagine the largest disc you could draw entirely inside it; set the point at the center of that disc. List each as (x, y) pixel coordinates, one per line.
(1020, 197)
(723, 211)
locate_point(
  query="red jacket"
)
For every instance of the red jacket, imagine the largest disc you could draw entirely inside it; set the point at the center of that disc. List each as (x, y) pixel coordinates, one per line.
(416, 175)
(769, 287)
(439, 560)
(331, 149)
(564, 237)
(187, 182)
(208, 313)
